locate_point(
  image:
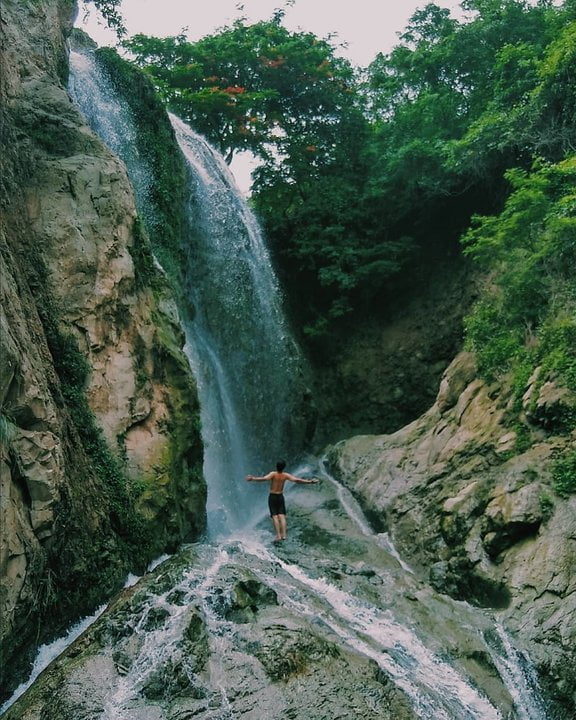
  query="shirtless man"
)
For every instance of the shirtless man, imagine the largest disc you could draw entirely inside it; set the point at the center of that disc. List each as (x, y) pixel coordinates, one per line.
(276, 497)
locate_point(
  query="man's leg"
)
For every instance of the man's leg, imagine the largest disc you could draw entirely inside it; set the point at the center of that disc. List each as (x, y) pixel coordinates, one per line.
(277, 527)
(282, 524)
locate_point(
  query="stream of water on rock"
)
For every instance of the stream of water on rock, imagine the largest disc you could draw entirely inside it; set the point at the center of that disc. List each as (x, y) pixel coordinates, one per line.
(334, 583)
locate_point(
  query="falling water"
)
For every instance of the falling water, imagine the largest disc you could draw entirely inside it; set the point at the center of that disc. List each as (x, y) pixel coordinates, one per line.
(112, 121)
(247, 364)
(248, 368)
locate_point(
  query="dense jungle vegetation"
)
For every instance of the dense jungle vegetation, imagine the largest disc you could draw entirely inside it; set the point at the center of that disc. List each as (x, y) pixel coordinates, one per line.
(465, 131)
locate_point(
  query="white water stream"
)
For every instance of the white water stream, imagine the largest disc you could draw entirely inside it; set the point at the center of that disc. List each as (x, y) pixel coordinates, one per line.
(409, 639)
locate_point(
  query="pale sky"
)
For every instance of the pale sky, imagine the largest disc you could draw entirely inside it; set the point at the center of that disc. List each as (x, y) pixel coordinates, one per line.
(368, 26)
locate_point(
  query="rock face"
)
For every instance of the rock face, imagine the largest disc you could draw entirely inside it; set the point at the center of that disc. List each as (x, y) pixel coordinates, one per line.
(100, 449)
(467, 506)
(379, 374)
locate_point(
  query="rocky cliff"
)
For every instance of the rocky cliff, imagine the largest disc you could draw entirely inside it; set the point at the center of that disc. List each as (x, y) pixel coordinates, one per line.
(100, 446)
(467, 492)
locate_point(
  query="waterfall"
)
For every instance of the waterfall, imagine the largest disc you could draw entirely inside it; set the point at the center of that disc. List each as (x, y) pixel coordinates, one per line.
(112, 121)
(247, 364)
(345, 581)
(248, 368)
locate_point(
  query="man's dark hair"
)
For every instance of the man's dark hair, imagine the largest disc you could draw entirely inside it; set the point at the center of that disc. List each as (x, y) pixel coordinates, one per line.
(280, 465)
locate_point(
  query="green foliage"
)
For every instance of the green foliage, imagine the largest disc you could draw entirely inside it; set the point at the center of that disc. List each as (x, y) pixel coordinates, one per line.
(7, 433)
(564, 474)
(555, 95)
(490, 337)
(527, 316)
(360, 179)
(146, 273)
(72, 370)
(546, 505)
(257, 87)
(558, 349)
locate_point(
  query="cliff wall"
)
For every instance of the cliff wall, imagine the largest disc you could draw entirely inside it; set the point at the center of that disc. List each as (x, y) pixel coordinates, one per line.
(101, 455)
(475, 508)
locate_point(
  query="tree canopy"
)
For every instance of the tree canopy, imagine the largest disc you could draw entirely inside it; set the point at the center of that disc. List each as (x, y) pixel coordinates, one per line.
(256, 87)
(361, 173)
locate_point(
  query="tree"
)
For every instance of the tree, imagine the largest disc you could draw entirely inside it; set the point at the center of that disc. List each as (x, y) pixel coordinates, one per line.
(526, 316)
(358, 178)
(253, 87)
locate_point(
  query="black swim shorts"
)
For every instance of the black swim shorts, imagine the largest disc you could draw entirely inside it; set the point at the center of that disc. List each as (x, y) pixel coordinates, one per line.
(276, 504)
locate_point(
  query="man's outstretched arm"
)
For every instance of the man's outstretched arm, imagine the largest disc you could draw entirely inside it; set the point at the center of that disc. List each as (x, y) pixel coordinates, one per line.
(303, 481)
(253, 478)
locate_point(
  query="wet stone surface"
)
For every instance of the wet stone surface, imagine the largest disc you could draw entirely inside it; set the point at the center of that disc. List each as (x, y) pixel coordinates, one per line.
(325, 625)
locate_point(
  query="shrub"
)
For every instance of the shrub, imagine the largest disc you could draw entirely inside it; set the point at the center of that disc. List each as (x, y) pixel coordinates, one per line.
(564, 474)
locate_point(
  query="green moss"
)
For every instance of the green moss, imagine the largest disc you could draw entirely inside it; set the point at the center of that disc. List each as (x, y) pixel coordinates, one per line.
(146, 272)
(184, 457)
(546, 505)
(564, 474)
(7, 433)
(50, 134)
(72, 370)
(558, 349)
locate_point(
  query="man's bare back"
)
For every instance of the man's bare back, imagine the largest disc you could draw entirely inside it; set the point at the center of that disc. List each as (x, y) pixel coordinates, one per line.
(278, 480)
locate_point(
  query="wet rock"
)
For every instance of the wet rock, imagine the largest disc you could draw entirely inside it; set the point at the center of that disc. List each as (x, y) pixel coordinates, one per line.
(512, 516)
(458, 375)
(548, 404)
(195, 641)
(286, 652)
(171, 681)
(155, 618)
(246, 598)
(460, 512)
(463, 580)
(178, 597)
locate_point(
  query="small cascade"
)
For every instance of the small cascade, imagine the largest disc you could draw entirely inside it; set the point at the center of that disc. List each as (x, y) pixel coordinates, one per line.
(354, 512)
(434, 686)
(518, 673)
(112, 121)
(49, 652)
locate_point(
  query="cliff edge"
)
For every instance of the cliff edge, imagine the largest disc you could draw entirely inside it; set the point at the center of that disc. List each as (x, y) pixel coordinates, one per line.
(101, 456)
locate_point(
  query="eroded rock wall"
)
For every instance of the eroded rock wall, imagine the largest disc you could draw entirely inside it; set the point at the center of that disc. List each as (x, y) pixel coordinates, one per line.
(478, 515)
(100, 448)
